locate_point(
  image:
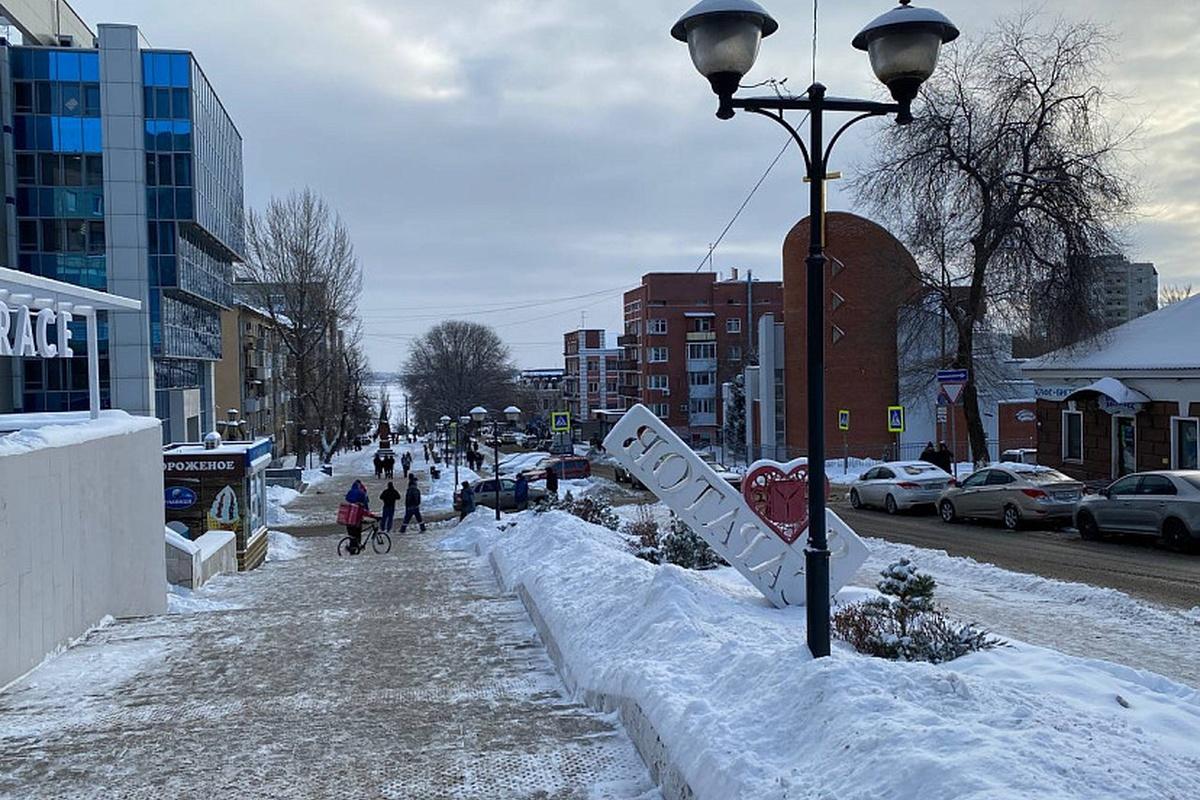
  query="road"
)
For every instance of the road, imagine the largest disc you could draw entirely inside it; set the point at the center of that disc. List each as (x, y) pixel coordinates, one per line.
(1136, 567)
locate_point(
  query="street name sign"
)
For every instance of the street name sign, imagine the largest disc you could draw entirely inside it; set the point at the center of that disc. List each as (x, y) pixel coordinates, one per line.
(767, 553)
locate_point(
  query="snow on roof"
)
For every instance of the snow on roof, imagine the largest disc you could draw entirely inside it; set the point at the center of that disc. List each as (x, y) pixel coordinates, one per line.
(23, 433)
(1163, 340)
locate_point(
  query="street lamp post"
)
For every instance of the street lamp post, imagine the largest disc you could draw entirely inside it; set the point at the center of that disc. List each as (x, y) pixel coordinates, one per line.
(444, 422)
(723, 37)
(511, 415)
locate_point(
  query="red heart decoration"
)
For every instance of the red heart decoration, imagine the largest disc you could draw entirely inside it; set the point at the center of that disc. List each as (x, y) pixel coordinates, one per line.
(779, 497)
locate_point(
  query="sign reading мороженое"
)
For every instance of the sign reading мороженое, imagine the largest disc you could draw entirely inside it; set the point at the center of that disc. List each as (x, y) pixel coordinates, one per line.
(718, 512)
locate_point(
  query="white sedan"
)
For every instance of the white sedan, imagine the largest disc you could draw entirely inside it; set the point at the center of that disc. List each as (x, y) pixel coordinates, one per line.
(899, 486)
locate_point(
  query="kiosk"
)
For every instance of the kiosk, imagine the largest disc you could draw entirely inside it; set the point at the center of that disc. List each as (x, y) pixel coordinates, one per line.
(220, 486)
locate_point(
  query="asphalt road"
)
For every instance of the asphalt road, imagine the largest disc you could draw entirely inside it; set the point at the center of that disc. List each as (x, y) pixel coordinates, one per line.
(1133, 565)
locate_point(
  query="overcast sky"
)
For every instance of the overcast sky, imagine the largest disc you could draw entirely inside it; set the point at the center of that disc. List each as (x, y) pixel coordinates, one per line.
(495, 153)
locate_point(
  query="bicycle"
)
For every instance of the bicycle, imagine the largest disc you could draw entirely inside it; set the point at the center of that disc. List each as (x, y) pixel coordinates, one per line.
(381, 543)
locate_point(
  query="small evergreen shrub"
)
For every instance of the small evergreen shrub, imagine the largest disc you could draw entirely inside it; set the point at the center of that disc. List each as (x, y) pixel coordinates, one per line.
(643, 530)
(589, 509)
(906, 624)
(683, 547)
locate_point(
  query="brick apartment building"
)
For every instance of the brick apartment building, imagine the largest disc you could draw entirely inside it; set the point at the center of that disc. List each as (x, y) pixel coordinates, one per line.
(685, 335)
(591, 374)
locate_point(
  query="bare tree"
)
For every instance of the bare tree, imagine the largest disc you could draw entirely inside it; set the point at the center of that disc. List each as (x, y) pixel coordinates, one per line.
(455, 367)
(303, 272)
(1173, 293)
(1008, 185)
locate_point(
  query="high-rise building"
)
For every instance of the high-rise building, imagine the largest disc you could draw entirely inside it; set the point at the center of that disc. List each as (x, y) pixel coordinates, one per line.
(591, 371)
(124, 172)
(1130, 289)
(687, 333)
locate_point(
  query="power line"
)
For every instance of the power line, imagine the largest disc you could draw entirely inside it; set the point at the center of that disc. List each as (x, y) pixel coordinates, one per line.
(484, 310)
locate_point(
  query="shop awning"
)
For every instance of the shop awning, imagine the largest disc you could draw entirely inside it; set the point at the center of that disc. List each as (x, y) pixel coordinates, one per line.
(1114, 390)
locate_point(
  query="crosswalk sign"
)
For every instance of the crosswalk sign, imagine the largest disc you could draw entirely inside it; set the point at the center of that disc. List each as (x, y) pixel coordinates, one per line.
(560, 421)
(895, 419)
(844, 419)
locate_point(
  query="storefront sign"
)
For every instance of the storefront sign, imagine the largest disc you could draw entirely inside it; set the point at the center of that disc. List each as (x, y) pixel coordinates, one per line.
(179, 498)
(718, 512)
(26, 333)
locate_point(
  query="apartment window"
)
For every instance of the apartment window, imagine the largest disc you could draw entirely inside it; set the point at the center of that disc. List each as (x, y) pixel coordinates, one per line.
(702, 378)
(657, 382)
(704, 406)
(702, 350)
(661, 410)
(703, 325)
(593, 388)
(1072, 436)
(733, 325)
(1185, 438)
(735, 352)
(657, 326)
(658, 355)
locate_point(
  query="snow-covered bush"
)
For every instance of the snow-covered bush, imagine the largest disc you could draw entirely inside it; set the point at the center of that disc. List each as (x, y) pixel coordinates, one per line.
(589, 509)
(643, 529)
(683, 547)
(905, 624)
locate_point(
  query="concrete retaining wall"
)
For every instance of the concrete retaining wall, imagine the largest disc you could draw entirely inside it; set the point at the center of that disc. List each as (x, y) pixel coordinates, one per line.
(639, 727)
(81, 532)
(193, 564)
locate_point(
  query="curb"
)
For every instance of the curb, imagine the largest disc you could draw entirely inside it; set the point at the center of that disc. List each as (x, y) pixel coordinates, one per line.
(641, 730)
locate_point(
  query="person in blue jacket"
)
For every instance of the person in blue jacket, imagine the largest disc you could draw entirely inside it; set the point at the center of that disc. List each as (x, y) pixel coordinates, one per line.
(521, 492)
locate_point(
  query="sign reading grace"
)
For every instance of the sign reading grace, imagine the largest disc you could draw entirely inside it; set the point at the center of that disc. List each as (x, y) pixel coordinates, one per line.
(770, 558)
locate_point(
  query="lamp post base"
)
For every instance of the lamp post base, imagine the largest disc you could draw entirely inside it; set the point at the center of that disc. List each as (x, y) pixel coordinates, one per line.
(816, 590)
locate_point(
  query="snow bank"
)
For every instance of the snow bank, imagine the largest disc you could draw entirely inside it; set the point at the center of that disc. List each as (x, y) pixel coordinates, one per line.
(278, 498)
(440, 494)
(744, 712)
(181, 600)
(39, 431)
(283, 547)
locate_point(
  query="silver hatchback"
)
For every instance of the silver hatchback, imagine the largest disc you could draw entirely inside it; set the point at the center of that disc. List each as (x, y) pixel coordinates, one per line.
(1165, 504)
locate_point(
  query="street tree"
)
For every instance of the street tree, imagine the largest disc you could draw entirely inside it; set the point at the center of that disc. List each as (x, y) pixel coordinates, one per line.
(456, 366)
(1174, 293)
(301, 269)
(1007, 185)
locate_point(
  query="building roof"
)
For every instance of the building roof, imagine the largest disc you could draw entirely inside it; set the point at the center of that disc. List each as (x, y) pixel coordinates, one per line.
(1165, 340)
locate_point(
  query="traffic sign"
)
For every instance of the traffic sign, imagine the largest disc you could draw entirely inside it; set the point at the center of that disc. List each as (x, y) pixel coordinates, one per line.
(952, 376)
(942, 414)
(560, 421)
(844, 419)
(895, 419)
(953, 391)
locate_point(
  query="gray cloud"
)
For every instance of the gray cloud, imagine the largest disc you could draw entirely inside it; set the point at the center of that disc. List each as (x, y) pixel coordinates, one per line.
(493, 153)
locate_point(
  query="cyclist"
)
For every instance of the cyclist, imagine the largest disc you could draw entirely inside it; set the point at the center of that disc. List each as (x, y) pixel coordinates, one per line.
(357, 496)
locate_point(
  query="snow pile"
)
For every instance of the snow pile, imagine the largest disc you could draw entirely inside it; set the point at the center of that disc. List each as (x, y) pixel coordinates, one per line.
(180, 542)
(181, 600)
(744, 712)
(278, 498)
(283, 547)
(440, 494)
(31, 432)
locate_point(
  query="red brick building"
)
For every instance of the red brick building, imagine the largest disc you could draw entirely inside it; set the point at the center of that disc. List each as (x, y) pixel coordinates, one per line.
(591, 374)
(869, 277)
(685, 334)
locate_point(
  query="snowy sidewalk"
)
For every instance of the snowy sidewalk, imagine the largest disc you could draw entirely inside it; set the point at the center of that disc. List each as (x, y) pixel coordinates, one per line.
(400, 676)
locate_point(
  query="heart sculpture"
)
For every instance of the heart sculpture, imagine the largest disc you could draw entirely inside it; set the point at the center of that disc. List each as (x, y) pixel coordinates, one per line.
(778, 494)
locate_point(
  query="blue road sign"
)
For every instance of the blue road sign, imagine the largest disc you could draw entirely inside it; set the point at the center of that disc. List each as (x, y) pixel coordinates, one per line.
(895, 419)
(952, 376)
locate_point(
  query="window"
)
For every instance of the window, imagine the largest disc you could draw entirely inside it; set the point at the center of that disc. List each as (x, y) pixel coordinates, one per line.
(657, 326)
(705, 350)
(1185, 449)
(1072, 436)
(593, 388)
(869, 475)
(1157, 485)
(658, 355)
(976, 480)
(702, 378)
(703, 325)
(735, 352)
(661, 410)
(884, 474)
(1125, 486)
(733, 325)
(704, 405)
(657, 381)
(998, 477)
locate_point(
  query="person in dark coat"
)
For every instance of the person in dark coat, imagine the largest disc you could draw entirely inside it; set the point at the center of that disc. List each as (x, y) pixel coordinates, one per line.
(357, 496)
(466, 501)
(425, 448)
(412, 505)
(389, 498)
(378, 466)
(929, 454)
(945, 458)
(406, 463)
(521, 492)
(552, 482)
(389, 466)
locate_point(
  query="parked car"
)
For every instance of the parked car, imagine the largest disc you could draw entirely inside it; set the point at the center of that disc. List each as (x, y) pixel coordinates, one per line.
(485, 494)
(1165, 504)
(1015, 494)
(622, 475)
(900, 486)
(1021, 455)
(567, 467)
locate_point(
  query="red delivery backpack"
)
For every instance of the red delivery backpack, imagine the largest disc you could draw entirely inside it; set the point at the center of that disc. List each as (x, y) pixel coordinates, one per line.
(350, 514)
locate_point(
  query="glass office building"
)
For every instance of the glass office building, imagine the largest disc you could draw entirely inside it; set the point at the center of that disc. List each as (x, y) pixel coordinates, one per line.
(126, 176)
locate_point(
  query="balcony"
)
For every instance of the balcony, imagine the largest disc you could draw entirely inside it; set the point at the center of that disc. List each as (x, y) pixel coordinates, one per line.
(628, 340)
(702, 420)
(701, 365)
(708, 392)
(702, 336)
(628, 366)
(630, 391)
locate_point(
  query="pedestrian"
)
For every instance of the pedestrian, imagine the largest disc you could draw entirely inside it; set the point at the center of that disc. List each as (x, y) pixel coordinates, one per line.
(406, 462)
(389, 466)
(412, 505)
(945, 459)
(929, 454)
(552, 482)
(357, 496)
(425, 447)
(466, 501)
(378, 466)
(389, 498)
(521, 492)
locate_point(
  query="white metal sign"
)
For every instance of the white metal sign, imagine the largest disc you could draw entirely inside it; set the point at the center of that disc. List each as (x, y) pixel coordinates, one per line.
(26, 333)
(717, 511)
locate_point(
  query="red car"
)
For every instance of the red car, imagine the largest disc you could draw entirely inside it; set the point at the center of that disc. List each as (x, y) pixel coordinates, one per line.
(567, 467)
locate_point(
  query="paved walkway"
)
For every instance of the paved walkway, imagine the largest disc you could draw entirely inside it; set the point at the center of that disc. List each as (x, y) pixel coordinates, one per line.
(401, 676)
